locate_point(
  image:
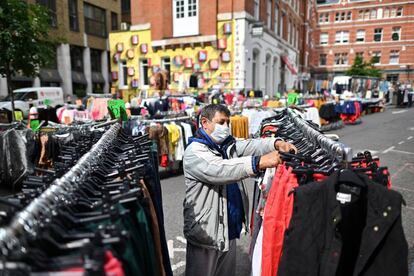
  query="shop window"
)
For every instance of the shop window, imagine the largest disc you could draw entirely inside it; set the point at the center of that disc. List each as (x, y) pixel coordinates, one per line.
(96, 60)
(76, 58)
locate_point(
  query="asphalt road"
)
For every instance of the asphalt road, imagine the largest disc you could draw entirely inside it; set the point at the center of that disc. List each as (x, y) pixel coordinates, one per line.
(389, 135)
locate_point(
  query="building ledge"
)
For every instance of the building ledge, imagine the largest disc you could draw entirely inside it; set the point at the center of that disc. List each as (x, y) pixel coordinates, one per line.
(184, 40)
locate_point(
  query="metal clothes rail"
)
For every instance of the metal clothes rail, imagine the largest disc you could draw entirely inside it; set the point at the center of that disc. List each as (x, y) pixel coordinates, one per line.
(40, 210)
(342, 152)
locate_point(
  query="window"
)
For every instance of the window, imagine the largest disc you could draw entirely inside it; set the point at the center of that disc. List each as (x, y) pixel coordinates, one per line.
(387, 13)
(95, 21)
(126, 5)
(257, 9)
(96, 60)
(399, 11)
(360, 36)
(144, 72)
(323, 18)
(179, 9)
(349, 16)
(366, 15)
(322, 59)
(396, 33)
(360, 54)
(276, 18)
(342, 37)
(323, 39)
(337, 17)
(192, 8)
(343, 16)
(166, 65)
(255, 69)
(289, 31)
(185, 18)
(393, 12)
(123, 74)
(376, 57)
(29, 96)
(378, 34)
(51, 5)
(373, 14)
(361, 15)
(73, 15)
(395, 57)
(76, 58)
(282, 21)
(114, 21)
(341, 59)
(269, 13)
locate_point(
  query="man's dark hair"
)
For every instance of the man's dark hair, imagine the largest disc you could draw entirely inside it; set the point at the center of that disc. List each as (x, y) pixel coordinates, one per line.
(210, 110)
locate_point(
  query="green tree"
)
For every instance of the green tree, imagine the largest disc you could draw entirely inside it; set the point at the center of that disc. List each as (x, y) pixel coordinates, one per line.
(362, 68)
(25, 44)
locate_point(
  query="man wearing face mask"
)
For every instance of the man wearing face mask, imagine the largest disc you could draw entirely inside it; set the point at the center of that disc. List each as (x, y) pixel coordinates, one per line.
(216, 202)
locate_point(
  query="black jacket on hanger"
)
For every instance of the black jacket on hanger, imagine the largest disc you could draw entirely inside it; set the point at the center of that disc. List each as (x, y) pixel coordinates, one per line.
(363, 236)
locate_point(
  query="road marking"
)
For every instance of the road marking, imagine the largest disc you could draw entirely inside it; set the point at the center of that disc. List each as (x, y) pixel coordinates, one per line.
(400, 143)
(409, 208)
(181, 239)
(171, 249)
(402, 189)
(398, 112)
(401, 151)
(170, 245)
(389, 149)
(178, 265)
(410, 137)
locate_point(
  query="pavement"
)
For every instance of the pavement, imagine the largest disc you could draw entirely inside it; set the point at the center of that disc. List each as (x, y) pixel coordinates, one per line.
(389, 135)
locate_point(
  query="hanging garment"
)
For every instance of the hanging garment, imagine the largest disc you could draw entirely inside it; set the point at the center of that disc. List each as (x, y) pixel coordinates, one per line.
(239, 126)
(277, 215)
(173, 139)
(187, 132)
(361, 235)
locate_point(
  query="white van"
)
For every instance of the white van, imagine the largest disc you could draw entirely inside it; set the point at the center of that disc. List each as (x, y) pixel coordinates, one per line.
(36, 96)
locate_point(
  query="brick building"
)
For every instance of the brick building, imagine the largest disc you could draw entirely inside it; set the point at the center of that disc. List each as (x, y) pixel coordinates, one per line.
(235, 44)
(382, 30)
(81, 64)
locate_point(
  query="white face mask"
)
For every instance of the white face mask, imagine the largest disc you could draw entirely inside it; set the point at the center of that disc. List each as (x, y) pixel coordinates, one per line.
(220, 133)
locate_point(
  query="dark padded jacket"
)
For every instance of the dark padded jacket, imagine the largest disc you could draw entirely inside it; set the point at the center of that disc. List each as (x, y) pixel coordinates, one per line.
(362, 237)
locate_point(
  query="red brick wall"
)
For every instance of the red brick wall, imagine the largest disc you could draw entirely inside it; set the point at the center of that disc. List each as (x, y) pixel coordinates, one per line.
(369, 46)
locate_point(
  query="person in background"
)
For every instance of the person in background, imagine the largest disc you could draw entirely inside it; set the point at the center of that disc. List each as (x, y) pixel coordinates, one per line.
(216, 200)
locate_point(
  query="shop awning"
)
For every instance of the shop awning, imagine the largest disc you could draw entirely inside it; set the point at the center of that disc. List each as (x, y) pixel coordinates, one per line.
(50, 75)
(97, 77)
(289, 65)
(79, 77)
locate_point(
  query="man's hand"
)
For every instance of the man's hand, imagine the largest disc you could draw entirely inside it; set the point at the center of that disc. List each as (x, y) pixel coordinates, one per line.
(270, 160)
(283, 146)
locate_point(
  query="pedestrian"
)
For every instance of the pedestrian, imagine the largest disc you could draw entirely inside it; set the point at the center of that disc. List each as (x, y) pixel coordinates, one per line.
(216, 201)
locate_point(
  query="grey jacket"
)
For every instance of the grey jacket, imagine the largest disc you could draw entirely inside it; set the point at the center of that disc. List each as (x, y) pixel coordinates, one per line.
(206, 176)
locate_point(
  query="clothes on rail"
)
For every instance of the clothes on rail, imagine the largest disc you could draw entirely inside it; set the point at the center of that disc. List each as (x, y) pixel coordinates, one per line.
(281, 218)
(170, 135)
(255, 117)
(111, 220)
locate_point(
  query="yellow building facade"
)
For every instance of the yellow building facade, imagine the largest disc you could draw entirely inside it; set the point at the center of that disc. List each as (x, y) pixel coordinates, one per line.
(136, 58)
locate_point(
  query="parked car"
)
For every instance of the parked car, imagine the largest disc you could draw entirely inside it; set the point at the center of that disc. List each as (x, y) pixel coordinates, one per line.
(34, 96)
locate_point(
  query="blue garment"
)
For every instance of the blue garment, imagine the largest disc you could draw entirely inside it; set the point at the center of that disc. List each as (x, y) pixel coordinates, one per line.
(235, 211)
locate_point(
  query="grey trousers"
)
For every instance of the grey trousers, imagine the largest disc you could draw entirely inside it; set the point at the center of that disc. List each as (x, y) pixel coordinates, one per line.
(209, 262)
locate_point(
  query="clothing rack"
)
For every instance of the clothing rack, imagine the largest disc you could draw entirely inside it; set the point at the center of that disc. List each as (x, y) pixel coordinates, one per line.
(28, 220)
(342, 152)
(166, 119)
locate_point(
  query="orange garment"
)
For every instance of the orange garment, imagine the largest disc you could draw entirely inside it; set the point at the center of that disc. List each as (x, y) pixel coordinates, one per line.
(239, 126)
